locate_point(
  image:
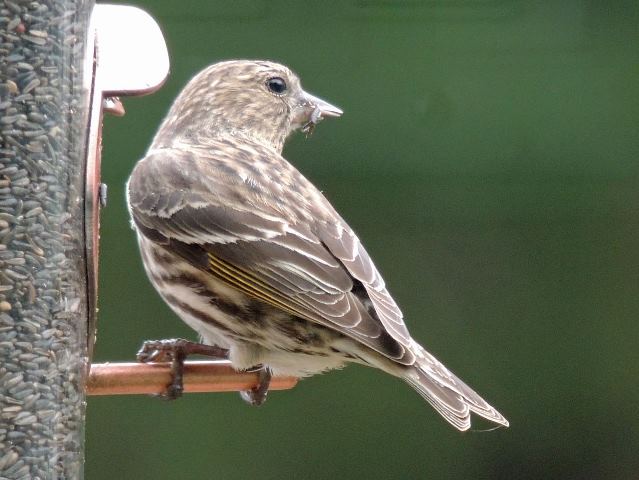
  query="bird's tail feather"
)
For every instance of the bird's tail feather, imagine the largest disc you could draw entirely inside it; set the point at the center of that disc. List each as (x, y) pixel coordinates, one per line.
(451, 397)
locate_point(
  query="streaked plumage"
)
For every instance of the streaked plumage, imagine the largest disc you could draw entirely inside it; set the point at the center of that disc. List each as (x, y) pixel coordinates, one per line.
(253, 257)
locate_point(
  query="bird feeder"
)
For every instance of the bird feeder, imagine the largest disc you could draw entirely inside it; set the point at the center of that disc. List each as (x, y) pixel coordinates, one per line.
(63, 63)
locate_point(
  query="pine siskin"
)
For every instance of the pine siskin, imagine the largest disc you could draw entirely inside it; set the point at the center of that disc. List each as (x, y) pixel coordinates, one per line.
(254, 258)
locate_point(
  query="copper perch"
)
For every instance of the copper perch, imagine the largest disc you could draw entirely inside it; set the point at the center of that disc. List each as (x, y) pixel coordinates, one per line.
(149, 378)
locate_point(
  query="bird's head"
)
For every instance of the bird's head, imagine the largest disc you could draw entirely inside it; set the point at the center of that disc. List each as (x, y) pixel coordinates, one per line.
(260, 100)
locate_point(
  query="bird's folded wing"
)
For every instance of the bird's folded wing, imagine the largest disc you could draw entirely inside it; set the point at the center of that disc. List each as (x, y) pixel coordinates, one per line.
(315, 270)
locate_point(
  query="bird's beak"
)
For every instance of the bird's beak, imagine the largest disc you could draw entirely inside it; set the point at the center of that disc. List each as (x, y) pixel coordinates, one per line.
(313, 110)
(324, 109)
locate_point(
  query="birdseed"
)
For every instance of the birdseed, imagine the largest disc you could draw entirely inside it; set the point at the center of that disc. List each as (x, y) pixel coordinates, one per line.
(43, 306)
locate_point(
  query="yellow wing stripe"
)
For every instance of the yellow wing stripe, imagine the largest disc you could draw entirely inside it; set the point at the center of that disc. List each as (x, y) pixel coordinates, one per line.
(237, 271)
(248, 284)
(251, 285)
(235, 277)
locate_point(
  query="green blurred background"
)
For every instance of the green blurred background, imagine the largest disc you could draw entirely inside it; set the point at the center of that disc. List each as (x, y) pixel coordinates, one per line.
(488, 159)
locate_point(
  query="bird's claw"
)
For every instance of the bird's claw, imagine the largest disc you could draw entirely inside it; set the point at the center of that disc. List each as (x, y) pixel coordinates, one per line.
(175, 350)
(257, 395)
(156, 351)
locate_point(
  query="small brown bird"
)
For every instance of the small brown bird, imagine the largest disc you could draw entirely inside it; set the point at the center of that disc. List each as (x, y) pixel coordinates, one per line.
(253, 257)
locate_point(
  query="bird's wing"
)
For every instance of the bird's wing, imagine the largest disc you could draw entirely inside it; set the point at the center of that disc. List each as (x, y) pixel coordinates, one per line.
(266, 243)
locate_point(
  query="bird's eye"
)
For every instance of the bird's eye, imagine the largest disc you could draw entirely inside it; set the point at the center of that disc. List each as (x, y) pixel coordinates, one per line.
(276, 85)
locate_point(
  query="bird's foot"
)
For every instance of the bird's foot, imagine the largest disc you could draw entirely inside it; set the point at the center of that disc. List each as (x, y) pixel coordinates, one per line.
(175, 350)
(257, 395)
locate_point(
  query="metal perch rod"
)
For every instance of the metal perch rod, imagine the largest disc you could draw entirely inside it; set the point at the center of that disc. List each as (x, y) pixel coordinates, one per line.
(199, 376)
